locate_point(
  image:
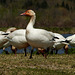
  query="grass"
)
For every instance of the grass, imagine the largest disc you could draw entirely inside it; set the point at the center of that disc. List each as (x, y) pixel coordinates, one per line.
(53, 65)
(63, 30)
(53, 29)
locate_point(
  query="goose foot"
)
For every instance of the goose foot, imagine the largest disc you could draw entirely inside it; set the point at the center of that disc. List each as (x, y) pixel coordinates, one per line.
(25, 55)
(45, 55)
(30, 57)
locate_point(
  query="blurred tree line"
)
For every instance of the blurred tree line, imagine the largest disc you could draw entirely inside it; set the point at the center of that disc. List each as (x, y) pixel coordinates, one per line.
(50, 13)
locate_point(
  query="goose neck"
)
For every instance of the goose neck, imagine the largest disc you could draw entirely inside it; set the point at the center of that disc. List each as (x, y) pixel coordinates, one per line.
(31, 23)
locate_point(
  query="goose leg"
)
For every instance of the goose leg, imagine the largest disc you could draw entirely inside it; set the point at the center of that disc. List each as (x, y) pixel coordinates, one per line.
(51, 51)
(66, 49)
(47, 51)
(14, 49)
(25, 51)
(31, 54)
(56, 51)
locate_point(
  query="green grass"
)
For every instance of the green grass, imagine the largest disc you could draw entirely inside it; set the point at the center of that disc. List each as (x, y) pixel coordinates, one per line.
(53, 65)
(61, 30)
(53, 29)
(71, 51)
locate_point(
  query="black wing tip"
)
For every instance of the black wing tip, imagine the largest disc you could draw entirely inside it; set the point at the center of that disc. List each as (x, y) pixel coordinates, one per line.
(56, 37)
(5, 34)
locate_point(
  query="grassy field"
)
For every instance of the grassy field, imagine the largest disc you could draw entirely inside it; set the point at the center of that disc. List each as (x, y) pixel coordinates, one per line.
(53, 65)
(53, 29)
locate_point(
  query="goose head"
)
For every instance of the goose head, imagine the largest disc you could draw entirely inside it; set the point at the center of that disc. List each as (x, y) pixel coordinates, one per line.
(28, 13)
(10, 30)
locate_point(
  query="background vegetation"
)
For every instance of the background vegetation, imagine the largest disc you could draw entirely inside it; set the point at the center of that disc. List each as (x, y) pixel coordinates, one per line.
(51, 14)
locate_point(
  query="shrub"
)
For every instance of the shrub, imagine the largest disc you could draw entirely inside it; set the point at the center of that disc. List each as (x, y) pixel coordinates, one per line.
(71, 51)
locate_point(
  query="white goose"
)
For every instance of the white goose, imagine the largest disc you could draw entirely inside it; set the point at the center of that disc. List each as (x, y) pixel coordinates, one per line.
(71, 40)
(59, 43)
(3, 39)
(37, 38)
(17, 39)
(10, 30)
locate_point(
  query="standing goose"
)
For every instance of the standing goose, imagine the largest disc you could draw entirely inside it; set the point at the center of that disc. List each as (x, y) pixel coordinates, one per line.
(37, 38)
(18, 39)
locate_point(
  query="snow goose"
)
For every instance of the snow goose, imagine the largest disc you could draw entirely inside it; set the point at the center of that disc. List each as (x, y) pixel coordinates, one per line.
(10, 30)
(17, 39)
(37, 38)
(59, 43)
(71, 40)
(7, 44)
(2, 39)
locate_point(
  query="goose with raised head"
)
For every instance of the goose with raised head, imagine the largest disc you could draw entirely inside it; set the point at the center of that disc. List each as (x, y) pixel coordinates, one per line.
(37, 38)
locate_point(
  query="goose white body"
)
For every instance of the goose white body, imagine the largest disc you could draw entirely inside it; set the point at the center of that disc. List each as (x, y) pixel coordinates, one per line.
(40, 38)
(71, 40)
(17, 38)
(58, 42)
(3, 40)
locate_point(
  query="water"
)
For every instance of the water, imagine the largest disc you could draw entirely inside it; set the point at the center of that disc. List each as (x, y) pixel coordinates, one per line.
(66, 35)
(61, 51)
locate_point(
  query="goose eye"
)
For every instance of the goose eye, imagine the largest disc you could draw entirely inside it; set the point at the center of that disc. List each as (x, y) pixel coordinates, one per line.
(28, 12)
(11, 31)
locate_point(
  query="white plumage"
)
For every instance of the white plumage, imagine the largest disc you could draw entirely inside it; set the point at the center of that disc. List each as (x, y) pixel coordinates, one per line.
(37, 37)
(3, 40)
(71, 40)
(59, 43)
(17, 39)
